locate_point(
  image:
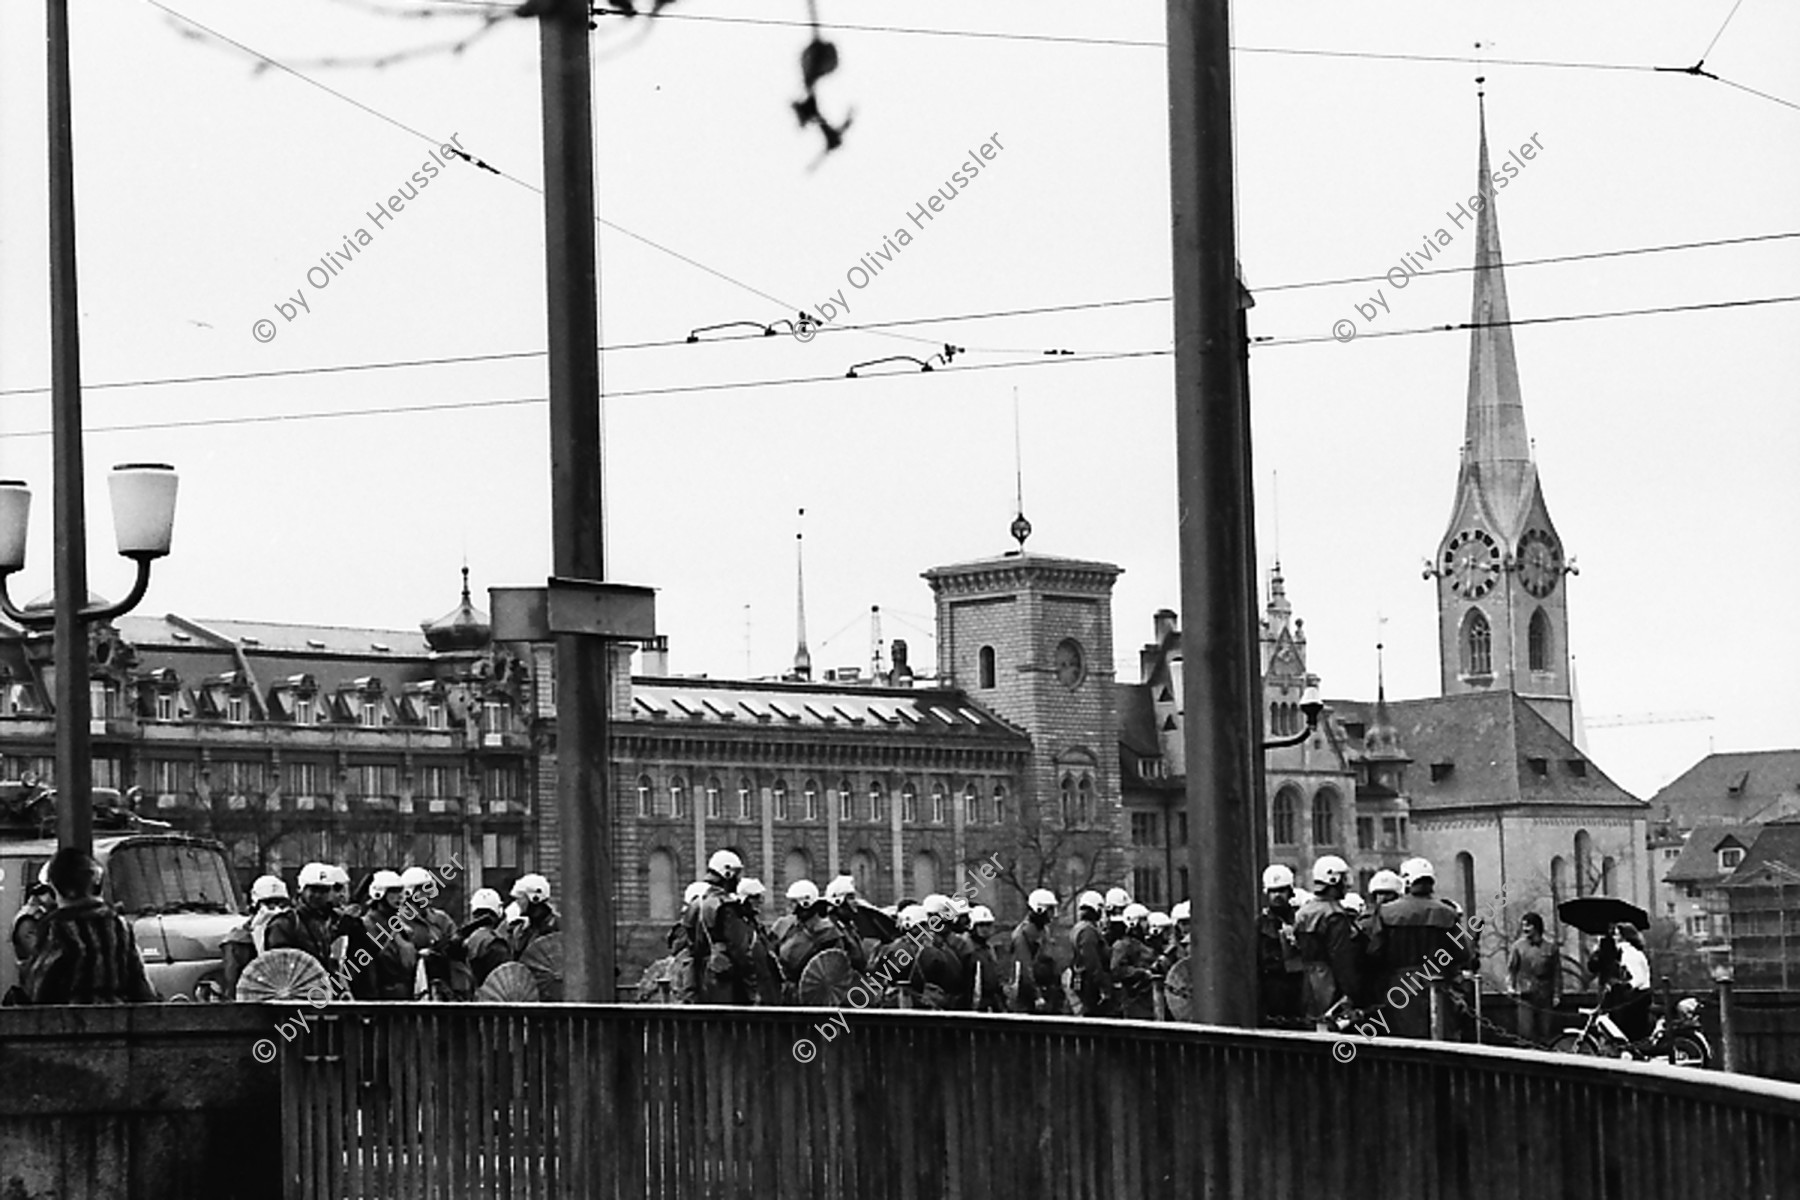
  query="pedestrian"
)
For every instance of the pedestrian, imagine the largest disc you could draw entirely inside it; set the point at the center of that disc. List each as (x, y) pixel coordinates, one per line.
(86, 952)
(1410, 941)
(1533, 970)
(28, 922)
(1131, 965)
(1279, 989)
(483, 947)
(536, 915)
(1325, 935)
(720, 937)
(1090, 974)
(989, 996)
(1037, 986)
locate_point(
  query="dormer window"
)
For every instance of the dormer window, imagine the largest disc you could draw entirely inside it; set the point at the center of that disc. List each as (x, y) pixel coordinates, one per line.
(371, 712)
(435, 715)
(303, 711)
(237, 709)
(165, 706)
(1730, 857)
(1440, 771)
(1539, 766)
(1578, 767)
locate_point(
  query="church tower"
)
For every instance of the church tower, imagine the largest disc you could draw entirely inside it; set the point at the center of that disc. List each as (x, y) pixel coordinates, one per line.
(1503, 621)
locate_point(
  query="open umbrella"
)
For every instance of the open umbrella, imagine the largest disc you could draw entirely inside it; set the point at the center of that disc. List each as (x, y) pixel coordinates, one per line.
(1597, 914)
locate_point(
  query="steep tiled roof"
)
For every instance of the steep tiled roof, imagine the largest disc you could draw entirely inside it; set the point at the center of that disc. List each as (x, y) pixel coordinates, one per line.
(1137, 720)
(1489, 740)
(1699, 860)
(1752, 785)
(1774, 859)
(881, 711)
(263, 637)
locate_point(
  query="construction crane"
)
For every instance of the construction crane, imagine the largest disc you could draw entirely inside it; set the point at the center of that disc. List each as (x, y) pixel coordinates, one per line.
(1620, 720)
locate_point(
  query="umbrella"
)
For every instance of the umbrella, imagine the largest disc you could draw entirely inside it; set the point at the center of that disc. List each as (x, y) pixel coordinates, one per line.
(1598, 914)
(827, 979)
(284, 974)
(508, 983)
(544, 959)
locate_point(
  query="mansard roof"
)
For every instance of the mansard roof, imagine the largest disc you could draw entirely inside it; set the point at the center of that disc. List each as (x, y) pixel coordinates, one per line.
(876, 711)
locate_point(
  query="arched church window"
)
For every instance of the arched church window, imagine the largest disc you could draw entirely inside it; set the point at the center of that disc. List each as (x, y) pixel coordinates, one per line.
(1281, 817)
(987, 666)
(1477, 644)
(1538, 641)
(1324, 817)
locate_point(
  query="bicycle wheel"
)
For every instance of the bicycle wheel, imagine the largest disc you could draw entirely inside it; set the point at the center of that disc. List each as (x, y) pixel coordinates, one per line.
(1571, 1042)
(1685, 1050)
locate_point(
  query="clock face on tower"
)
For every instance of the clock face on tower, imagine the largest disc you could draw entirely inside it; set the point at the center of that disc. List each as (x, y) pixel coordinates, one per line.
(1070, 669)
(1472, 563)
(1540, 562)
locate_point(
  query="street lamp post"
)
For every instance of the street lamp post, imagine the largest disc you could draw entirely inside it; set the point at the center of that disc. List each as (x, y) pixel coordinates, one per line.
(143, 500)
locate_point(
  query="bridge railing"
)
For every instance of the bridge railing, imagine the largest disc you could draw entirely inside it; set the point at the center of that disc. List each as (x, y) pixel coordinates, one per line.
(613, 1101)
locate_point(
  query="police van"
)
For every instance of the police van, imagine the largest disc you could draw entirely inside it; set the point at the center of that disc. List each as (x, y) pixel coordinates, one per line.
(177, 892)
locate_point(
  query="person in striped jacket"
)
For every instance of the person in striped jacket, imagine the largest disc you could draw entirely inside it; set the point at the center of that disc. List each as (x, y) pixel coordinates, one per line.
(86, 953)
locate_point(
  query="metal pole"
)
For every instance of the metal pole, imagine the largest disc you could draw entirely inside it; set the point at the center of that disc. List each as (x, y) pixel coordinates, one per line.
(1218, 587)
(583, 758)
(74, 768)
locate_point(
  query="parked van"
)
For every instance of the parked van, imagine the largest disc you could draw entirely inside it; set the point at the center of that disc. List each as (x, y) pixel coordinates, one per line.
(176, 891)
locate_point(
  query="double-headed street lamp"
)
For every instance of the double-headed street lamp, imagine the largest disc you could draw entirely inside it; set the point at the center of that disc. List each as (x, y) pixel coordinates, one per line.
(143, 501)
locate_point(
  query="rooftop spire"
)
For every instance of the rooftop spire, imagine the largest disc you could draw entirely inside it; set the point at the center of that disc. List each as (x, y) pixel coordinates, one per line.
(1383, 739)
(1021, 528)
(802, 657)
(1496, 420)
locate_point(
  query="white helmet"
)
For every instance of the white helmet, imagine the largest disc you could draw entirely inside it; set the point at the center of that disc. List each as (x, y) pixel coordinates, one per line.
(485, 900)
(959, 905)
(1415, 869)
(1117, 897)
(803, 892)
(268, 887)
(339, 876)
(383, 883)
(695, 890)
(751, 887)
(1089, 900)
(981, 915)
(1161, 920)
(417, 877)
(1181, 911)
(1329, 871)
(1042, 900)
(1136, 914)
(315, 874)
(1277, 876)
(840, 889)
(938, 905)
(913, 916)
(1355, 903)
(724, 862)
(1385, 881)
(532, 889)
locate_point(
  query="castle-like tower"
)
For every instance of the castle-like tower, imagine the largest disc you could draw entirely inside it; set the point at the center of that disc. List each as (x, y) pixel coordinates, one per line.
(1503, 621)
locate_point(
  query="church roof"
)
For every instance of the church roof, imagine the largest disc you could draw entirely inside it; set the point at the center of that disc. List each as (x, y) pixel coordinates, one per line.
(1751, 785)
(1497, 448)
(1489, 750)
(1699, 858)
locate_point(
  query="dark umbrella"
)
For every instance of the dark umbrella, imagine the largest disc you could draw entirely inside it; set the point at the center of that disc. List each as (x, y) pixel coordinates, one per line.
(1598, 914)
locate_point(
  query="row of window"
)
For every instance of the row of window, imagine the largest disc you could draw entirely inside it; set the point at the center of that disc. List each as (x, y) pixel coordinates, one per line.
(249, 777)
(369, 710)
(743, 803)
(1147, 828)
(1478, 643)
(1284, 814)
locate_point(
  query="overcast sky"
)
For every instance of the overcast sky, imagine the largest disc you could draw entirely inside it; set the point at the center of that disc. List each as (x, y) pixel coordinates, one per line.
(206, 189)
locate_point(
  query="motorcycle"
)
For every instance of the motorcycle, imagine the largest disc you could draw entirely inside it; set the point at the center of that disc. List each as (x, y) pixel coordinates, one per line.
(1677, 1041)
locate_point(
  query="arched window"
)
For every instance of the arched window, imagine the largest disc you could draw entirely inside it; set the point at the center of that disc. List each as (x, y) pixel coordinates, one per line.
(877, 802)
(715, 799)
(779, 794)
(1068, 799)
(938, 803)
(1538, 641)
(1084, 800)
(1477, 645)
(909, 805)
(678, 807)
(867, 873)
(999, 804)
(1584, 863)
(1324, 817)
(924, 878)
(811, 794)
(1559, 881)
(987, 666)
(746, 799)
(1607, 866)
(971, 805)
(1281, 818)
(664, 894)
(1465, 878)
(797, 866)
(646, 796)
(1284, 718)
(846, 809)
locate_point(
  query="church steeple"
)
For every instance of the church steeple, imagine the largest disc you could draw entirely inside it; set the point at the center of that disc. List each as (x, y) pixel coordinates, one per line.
(1502, 619)
(802, 656)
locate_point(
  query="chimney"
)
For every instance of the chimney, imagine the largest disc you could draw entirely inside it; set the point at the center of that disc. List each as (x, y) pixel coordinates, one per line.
(654, 656)
(903, 674)
(1165, 624)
